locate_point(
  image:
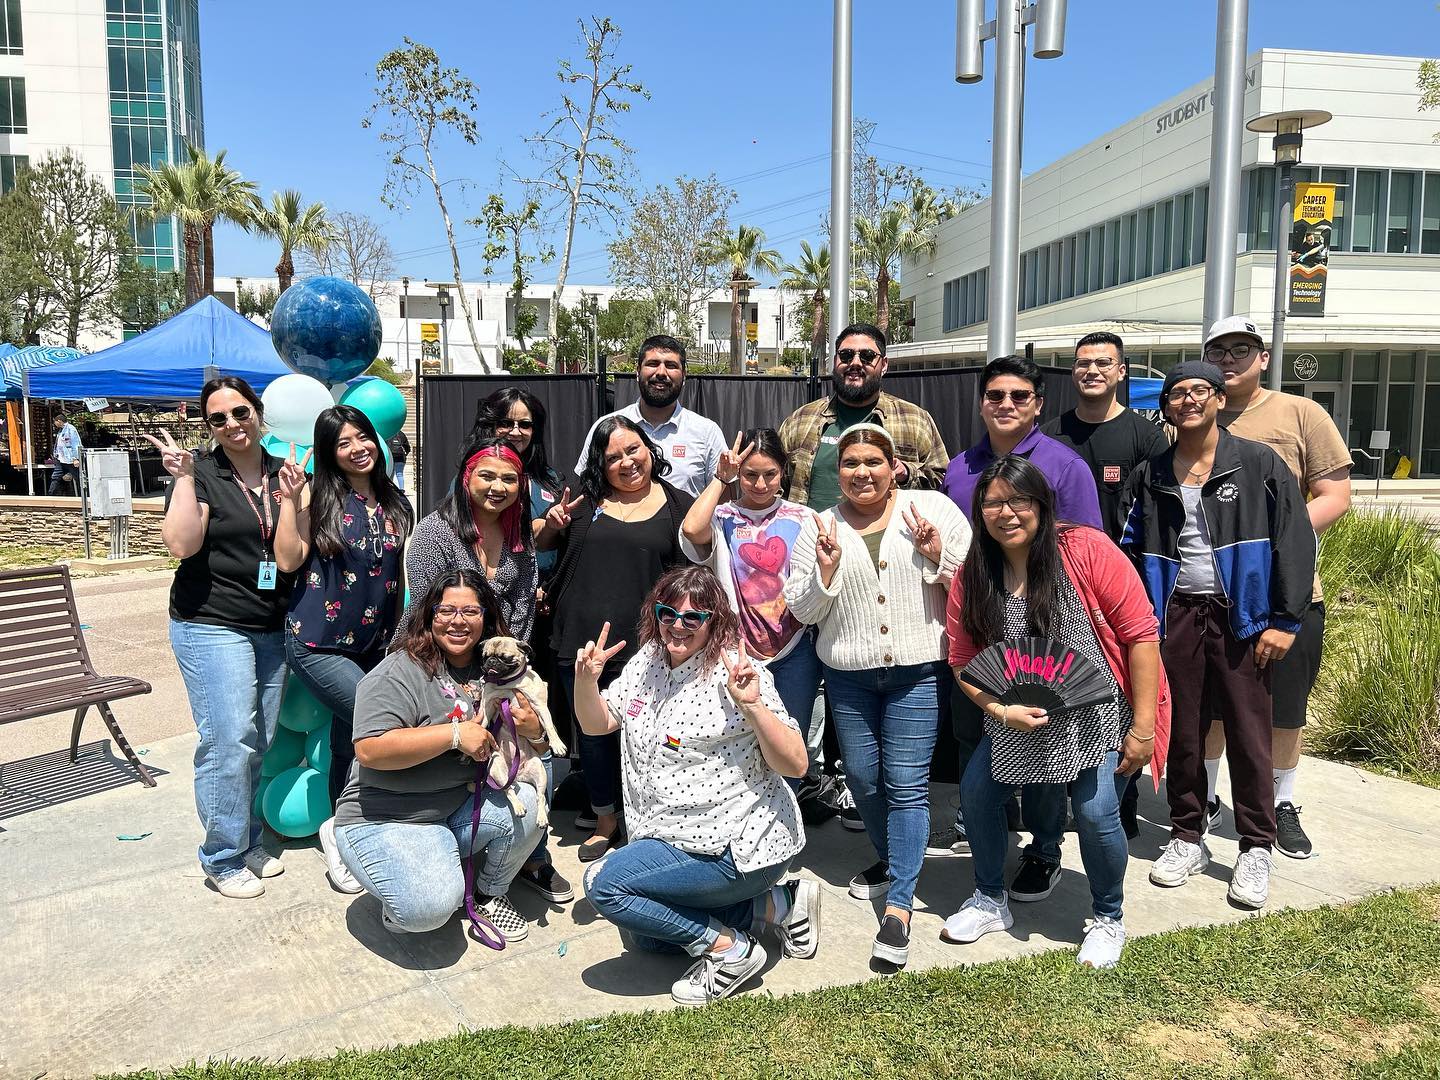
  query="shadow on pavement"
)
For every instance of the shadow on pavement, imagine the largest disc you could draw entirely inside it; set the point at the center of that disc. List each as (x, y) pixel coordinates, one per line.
(36, 783)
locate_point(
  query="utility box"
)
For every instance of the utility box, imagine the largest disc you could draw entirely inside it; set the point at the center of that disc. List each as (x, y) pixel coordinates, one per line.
(108, 473)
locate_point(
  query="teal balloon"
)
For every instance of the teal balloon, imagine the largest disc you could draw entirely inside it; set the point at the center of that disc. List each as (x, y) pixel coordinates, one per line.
(381, 402)
(299, 711)
(297, 802)
(317, 749)
(278, 447)
(287, 749)
(257, 804)
(389, 460)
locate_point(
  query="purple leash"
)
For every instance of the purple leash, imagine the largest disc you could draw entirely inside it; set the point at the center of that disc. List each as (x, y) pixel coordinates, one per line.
(481, 928)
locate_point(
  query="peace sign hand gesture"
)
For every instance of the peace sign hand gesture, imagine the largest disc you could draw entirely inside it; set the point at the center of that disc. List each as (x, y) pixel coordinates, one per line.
(827, 548)
(924, 535)
(743, 684)
(591, 660)
(727, 470)
(292, 478)
(178, 462)
(557, 518)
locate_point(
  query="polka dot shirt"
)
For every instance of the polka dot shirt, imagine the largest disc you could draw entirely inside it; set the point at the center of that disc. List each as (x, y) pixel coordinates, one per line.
(695, 776)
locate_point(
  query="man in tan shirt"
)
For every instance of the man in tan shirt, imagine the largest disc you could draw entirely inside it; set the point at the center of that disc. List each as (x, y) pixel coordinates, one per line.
(1304, 435)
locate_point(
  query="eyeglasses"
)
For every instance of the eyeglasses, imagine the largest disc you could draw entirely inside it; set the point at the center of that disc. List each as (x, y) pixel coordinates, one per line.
(515, 425)
(1021, 504)
(1103, 363)
(690, 620)
(448, 612)
(240, 414)
(867, 356)
(1198, 394)
(1216, 353)
(1019, 397)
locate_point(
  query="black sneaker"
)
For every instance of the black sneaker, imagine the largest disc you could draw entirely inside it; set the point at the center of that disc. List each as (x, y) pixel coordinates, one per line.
(1290, 838)
(548, 882)
(850, 818)
(871, 883)
(1212, 816)
(892, 942)
(1035, 880)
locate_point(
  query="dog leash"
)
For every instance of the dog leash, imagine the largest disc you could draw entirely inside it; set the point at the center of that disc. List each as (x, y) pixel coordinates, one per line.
(481, 928)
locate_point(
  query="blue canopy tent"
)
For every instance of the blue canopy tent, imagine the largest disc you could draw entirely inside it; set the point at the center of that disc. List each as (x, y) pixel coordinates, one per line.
(1145, 393)
(170, 362)
(14, 366)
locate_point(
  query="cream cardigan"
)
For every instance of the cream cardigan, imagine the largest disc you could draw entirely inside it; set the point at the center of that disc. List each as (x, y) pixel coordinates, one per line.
(887, 618)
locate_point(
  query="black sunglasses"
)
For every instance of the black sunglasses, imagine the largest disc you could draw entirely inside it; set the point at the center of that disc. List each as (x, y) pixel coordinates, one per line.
(511, 425)
(867, 356)
(1019, 397)
(240, 413)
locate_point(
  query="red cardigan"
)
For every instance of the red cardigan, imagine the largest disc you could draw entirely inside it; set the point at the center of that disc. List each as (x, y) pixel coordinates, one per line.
(1119, 609)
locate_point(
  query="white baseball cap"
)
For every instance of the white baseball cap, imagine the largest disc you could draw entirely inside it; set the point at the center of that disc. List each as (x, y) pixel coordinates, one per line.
(1234, 324)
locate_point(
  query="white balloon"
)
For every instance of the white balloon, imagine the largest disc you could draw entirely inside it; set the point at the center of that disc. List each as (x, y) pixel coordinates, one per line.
(337, 391)
(292, 402)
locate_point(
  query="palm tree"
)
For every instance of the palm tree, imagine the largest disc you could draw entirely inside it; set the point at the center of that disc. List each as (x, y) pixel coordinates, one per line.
(811, 275)
(744, 254)
(198, 193)
(297, 228)
(901, 229)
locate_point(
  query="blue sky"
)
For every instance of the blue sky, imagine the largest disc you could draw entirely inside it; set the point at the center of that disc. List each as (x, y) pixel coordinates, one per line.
(287, 84)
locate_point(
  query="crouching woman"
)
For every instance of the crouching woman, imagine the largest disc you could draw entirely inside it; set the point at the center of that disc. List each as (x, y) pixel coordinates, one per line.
(705, 746)
(407, 815)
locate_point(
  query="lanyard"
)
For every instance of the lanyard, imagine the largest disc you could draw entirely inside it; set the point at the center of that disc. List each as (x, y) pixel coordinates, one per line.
(267, 528)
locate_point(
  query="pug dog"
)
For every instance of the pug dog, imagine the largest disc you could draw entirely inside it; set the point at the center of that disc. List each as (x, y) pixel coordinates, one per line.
(505, 668)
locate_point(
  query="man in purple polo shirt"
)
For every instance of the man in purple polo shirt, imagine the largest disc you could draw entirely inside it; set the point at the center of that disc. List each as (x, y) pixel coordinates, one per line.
(1012, 393)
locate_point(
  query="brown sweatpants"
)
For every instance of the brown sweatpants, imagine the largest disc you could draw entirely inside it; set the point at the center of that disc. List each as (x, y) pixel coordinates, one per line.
(1211, 673)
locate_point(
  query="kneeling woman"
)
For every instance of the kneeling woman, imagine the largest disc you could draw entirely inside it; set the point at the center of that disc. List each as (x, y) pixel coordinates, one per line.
(1026, 576)
(405, 820)
(705, 745)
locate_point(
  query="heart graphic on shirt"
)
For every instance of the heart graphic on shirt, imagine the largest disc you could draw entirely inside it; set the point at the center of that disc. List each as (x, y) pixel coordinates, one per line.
(769, 556)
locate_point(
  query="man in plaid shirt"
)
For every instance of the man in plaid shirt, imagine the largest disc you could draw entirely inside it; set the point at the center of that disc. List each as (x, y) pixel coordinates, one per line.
(811, 434)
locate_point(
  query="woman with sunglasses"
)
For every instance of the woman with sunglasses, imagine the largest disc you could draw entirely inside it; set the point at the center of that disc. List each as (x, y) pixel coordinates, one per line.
(227, 610)
(621, 539)
(1030, 576)
(872, 575)
(417, 803)
(345, 536)
(706, 743)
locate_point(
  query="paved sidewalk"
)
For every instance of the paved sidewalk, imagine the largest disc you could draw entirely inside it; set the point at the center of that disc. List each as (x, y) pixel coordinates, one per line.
(115, 955)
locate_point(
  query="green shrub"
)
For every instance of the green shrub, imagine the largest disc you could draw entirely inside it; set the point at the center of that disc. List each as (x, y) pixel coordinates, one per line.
(1378, 555)
(384, 368)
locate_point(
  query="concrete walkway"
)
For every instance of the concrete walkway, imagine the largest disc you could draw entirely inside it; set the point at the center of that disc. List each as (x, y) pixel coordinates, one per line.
(114, 954)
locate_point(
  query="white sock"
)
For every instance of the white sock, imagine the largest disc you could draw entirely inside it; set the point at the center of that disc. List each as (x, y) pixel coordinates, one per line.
(1284, 785)
(1212, 776)
(780, 898)
(738, 948)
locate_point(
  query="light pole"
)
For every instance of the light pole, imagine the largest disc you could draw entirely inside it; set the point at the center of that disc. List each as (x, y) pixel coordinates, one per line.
(1226, 135)
(405, 314)
(1288, 128)
(739, 345)
(1008, 32)
(841, 170)
(443, 296)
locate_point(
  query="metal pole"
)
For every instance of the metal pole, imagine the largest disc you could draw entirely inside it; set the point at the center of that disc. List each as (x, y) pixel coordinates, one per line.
(405, 308)
(841, 165)
(1005, 181)
(84, 502)
(1284, 201)
(25, 427)
(1226, 132)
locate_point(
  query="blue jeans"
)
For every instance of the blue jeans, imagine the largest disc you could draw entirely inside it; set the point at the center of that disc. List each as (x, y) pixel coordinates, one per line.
(233, 679)
(61, 473)
(886, 721)
(332, 678)
(1095, 796)
(664, 897)
(797, 681)
(599, 754)
(414, 869)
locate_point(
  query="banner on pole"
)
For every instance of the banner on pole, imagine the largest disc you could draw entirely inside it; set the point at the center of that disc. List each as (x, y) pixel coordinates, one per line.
(1310, 248)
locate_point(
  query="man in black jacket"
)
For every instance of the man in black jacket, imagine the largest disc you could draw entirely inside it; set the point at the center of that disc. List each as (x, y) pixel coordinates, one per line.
(1218, 531)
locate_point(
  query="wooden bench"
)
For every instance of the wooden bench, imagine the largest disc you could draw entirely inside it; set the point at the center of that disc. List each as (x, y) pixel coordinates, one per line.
(44, 665)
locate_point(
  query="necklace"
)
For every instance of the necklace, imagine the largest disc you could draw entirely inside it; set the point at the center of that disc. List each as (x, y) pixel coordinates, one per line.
(631, 509)
(1196, 469)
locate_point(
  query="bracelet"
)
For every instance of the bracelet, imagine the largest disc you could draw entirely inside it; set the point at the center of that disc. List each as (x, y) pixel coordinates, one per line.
(538, 744)
(454, 733)
(1140, 738)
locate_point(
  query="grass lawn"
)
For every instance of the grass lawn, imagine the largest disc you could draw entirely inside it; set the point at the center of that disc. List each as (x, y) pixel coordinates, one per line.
(1352, 991)
(19, 556)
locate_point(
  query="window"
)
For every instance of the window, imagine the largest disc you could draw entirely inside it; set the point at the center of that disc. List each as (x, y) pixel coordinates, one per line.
(1082, 257)
(1097, 258)
(1259, 235)
(1342, 179)
(1369, 210)
(1184, 231)
(1052, 269)
(12, 106)
(1029, 273)
(11, 40)
(947, 307)
(1127, 249)
(10, 164)
(1430, 222)
(1402, 233)
(1164, 222)
(1202, 222)
(1112, 253)
(1143, 240)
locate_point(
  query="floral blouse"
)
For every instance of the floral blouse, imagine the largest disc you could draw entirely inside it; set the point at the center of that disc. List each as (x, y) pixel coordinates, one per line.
(347, 603)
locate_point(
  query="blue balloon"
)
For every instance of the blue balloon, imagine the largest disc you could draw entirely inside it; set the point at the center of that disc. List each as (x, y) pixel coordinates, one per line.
(297, 802)
(317, 749)
(278, 447)
(326, 328)
(286, 750)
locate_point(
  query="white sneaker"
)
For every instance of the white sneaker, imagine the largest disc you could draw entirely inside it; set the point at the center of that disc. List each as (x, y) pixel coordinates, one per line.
(503, 916)
(978, 916)
(335, 868)
(1178, 863)
(1250, 881)
(710, 978)
(262, 864)
(800, 929)
(241, 885)
(1104, 940)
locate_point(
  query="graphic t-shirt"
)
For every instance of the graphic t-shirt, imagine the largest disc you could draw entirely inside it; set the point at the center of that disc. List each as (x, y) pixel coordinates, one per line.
(825, 474)
(1111, 449)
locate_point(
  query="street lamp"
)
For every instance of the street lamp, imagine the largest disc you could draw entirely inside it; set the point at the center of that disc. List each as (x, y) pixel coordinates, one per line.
(405, 314)
(443, 297)
(1288, 128)
(737, 342)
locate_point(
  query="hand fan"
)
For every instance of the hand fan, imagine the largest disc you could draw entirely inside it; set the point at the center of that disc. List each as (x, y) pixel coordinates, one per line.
(1038, 671)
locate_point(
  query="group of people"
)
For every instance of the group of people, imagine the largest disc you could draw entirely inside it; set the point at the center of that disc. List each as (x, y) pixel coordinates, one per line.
(722, 618)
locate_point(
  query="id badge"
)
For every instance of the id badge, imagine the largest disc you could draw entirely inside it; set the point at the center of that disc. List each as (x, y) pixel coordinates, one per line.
(268, 573)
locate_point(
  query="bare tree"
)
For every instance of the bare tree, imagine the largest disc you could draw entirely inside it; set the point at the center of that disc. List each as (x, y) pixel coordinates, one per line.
(421, 100)
(666, 252)
(358, 251)
(584, 162)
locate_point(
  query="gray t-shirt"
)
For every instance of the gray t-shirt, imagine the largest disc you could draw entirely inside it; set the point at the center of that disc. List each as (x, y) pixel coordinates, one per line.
(1197, 557)
(398, 694)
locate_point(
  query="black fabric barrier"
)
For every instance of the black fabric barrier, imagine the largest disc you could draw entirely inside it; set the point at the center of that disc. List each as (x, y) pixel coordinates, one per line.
(735, 402)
